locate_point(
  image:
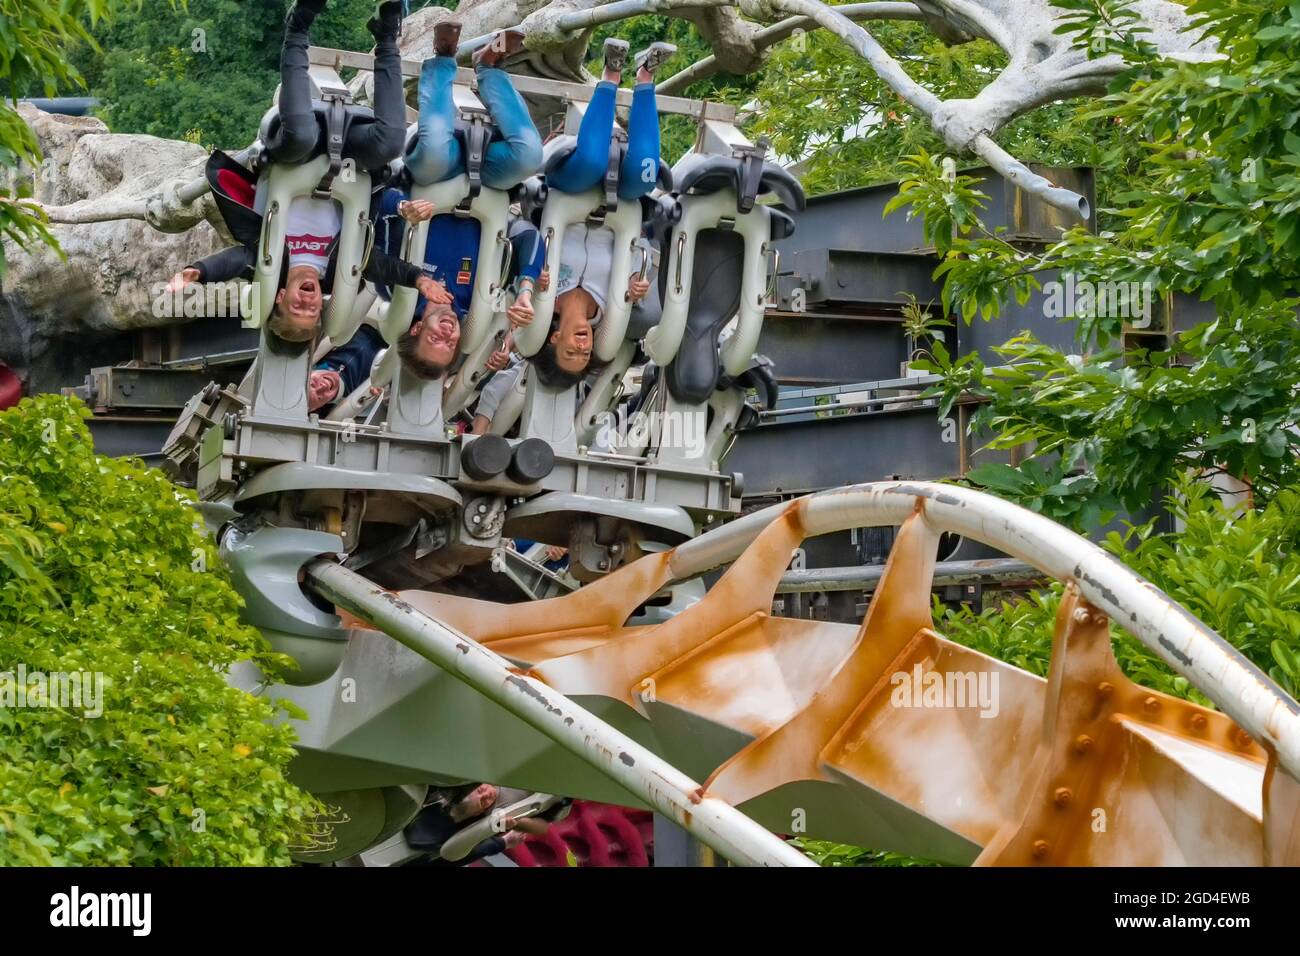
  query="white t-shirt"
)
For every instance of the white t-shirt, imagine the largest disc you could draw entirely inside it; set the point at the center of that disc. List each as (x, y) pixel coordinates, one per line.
(585, 261)
(311, 229)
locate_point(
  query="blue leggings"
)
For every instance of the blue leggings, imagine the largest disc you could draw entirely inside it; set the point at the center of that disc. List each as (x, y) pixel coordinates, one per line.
(439, 154)
(585, 167)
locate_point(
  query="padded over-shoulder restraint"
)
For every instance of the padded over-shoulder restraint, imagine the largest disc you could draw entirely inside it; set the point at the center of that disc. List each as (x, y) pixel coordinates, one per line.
(715, 298)
(717, 267)
(356, 238)
(491, 208)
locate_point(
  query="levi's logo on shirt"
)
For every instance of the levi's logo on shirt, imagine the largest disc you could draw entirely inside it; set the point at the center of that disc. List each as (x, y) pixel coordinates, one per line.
(311, 245)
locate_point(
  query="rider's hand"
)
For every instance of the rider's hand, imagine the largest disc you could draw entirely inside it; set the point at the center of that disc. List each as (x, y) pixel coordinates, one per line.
(323, 388)
(544, 280)
(183, 278)
(501, 358)
(637, 288)
(521, 312)
(415, 210)
(434, 291)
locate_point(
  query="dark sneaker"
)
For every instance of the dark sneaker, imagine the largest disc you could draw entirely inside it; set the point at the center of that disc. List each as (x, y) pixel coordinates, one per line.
(304, 13)
(386, 24)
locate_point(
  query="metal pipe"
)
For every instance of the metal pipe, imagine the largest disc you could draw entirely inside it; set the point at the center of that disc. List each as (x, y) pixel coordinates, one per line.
(217, 358)
(856, 403)
(1214, 667)
(645, 775)
(1020, 175)
(865, 577)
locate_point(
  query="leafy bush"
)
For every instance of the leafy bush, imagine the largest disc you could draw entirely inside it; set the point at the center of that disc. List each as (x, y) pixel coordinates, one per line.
(1234, 569)
(103, 570)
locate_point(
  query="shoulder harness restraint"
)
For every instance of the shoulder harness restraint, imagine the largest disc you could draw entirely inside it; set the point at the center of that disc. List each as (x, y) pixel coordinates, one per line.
(336, 122)
(617, 150)
(477, 136)
(750, 175)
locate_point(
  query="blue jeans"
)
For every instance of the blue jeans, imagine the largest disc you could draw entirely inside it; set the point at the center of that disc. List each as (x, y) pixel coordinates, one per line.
(439, 154)
(585, 167)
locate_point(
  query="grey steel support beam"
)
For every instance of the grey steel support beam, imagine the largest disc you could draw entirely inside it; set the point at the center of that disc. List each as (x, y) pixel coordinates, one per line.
(787, 458)
(866, 577)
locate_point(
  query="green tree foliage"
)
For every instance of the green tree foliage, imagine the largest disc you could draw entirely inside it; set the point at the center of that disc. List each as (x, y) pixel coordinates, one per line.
(1212, 213)
(35, 36)
(102, 571)
(816, 98)
(1235, 569)
(207, 74)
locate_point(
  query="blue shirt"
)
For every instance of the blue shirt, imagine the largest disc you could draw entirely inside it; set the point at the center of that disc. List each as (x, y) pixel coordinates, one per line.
(451, 255)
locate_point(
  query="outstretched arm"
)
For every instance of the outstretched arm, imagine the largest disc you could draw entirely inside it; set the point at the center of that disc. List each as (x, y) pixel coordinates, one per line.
(233, 263)
(390, 270)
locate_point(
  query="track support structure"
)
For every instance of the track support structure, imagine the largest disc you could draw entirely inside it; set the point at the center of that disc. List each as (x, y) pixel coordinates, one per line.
(645, 775)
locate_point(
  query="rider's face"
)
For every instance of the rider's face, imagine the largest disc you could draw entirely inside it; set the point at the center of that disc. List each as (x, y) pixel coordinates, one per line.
(438, 335)
(301, 298)
(573, 339)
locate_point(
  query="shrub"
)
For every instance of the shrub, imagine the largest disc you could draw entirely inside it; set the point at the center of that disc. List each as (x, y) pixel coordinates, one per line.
(1236, 569)
(104, 570)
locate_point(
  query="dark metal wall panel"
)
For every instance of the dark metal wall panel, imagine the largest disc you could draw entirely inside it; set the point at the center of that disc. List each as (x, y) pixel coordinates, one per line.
(211, 337)
(852, 219)
(983, 336)
(118, 437)
(816, 349)
(794, 458)
(847, 277)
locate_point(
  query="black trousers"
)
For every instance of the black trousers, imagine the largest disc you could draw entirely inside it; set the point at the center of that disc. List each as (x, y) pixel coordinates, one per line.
(371, 142)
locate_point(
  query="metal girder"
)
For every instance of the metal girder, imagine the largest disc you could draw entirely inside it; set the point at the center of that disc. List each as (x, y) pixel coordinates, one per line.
(800, 457)
(632, 766)
(819, 348)
(139, 389)
(120, 436)
(884, 735)
(854, 218)
(868, 576)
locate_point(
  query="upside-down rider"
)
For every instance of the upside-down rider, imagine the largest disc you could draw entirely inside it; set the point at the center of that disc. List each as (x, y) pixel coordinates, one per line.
(587, 251)
(586, 255)
(451, 253)
(371, 141)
